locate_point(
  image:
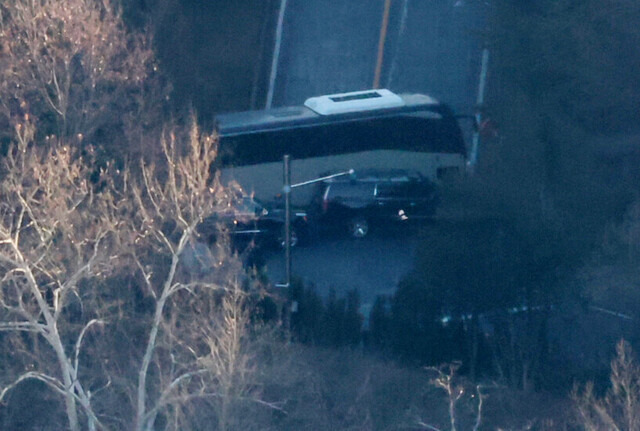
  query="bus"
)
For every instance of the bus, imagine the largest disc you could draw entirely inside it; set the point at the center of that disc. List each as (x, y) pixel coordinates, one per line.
(373, 129)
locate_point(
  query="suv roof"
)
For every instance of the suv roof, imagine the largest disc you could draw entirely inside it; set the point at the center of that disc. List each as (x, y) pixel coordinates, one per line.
(378, 175)
(367, 184)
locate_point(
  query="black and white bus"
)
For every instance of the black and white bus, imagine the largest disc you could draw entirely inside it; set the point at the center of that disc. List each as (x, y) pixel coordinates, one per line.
(374, 129)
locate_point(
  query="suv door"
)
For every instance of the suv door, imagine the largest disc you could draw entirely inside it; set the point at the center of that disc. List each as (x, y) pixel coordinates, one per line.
(347, 204)
(391, 197)
(422, 198)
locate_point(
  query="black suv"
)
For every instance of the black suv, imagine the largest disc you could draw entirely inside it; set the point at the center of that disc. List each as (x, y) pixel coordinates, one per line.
(372, 197)
(252, 221)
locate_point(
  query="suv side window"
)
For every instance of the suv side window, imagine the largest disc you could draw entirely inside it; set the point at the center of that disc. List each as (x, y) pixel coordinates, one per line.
(351, 194)
(349, 191)
(421, 190)
(391, 190)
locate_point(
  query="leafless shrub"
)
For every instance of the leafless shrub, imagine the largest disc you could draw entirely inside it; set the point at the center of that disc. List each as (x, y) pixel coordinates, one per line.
(619, 409)
(457, 393)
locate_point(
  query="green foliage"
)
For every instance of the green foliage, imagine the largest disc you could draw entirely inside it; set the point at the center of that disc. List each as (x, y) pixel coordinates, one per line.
(335, 321)
(577, 60)
(469, 267)
(480, 292)
(562, 72)
(213, 66)
(379, 335)
(414, 328)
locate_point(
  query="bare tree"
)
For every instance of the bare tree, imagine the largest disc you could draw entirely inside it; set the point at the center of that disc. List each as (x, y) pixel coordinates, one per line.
(74, 66)
(196, 334)
(57, 229)
(446, 379)
(619, 409)
(228, 359)
(66, 228)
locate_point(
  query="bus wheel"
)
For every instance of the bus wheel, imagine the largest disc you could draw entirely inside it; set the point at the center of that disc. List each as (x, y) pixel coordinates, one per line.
(358, 227)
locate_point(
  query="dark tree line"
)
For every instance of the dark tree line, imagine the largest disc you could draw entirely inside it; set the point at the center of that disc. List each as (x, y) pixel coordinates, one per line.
(332, 321)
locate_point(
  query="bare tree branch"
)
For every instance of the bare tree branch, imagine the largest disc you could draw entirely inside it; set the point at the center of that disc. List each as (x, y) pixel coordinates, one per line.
(22, 326)
(52, 382)
(79, 341)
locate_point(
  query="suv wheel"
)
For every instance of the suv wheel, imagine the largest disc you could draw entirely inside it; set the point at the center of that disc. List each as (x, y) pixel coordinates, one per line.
(358, 227)
(293, 241)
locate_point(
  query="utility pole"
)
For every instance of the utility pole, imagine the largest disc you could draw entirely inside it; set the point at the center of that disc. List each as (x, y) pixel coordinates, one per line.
(287, 187)
(276, 54)
(381, 42)
(473, 157)
(287, 219)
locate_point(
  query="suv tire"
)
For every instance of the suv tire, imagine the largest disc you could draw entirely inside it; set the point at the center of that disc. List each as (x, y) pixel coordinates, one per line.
(358, 227)
(293, 235)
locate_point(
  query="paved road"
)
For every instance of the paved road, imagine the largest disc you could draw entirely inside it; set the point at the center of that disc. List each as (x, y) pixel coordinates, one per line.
(373, 265)
(330, 46)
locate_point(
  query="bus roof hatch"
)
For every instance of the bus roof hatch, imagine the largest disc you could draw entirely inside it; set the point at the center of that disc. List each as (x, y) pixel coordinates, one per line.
(354, 101)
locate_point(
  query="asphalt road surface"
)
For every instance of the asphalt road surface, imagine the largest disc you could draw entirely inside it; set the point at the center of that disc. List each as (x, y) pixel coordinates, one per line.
(331, 46)
(373, 265)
